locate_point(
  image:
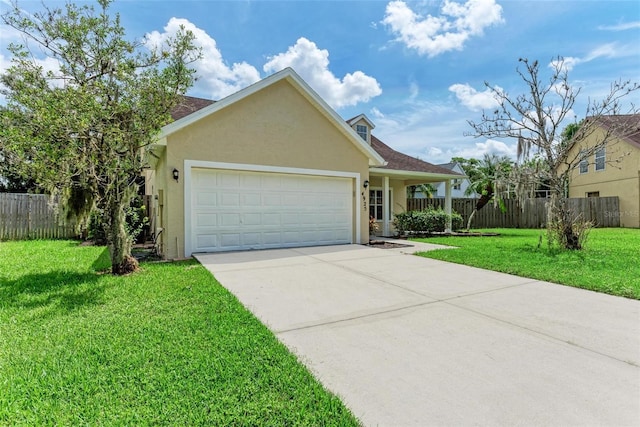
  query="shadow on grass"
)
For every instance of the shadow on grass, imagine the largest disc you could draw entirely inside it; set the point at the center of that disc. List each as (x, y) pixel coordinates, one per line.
(64, 290)
(103, 262)
(54, 291)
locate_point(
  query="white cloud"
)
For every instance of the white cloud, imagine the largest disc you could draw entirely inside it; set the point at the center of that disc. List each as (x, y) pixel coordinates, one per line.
(312, 64)
(620, 27)
(609, 50)
(491, 146)
(214, 75)
(414, 91)
(433, 35)
(474, 100)
(377, 113)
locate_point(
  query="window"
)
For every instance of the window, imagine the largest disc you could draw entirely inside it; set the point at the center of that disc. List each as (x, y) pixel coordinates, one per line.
(375, 204)
(362, 131)
(584, 163)
(457, 184)
(593, 194)
(600, 159)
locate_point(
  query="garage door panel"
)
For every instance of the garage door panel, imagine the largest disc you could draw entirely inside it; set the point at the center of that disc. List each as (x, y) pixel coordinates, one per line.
(206, 219)
(272, 219)
(236, 210)
(207, 241)
(207, 198)
(229, 179)
(251, 219)
(230, 239)
(250, 182)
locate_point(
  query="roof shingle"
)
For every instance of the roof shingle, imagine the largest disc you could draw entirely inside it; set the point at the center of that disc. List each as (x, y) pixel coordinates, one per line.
(188, 105)
(399, 161)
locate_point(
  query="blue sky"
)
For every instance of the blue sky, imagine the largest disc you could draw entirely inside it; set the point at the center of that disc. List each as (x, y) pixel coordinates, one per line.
(416, 69)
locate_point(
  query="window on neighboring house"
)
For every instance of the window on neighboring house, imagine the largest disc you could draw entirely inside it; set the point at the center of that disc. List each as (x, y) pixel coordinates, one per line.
(457, 184)
(362, 131)
(600, 159)
(584, 163)
(375, 204)
(593, 194)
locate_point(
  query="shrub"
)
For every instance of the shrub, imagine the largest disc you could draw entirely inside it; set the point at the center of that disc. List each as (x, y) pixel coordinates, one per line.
(136, 224)
(426, 221)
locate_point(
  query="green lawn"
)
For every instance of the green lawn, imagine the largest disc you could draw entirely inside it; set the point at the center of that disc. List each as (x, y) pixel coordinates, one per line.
(610, 263)
(165, 346)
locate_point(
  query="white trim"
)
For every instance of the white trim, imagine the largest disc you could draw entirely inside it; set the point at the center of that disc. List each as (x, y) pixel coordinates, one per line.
(190, 164)
(386, 206)
(362, 117)
(413, 174)
(297, 82)
(389, 195)
(604, 159)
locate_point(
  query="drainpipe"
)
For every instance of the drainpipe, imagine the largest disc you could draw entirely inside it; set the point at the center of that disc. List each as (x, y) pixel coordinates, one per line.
(385, 207)
(447, 204)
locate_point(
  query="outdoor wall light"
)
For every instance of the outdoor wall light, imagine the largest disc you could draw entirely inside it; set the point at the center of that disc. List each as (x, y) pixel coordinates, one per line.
(365, 184)
(176, 174)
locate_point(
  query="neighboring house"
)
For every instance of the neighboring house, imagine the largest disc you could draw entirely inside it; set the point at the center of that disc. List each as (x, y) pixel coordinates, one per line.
(273, 166)
(613, 170)
(458, 186)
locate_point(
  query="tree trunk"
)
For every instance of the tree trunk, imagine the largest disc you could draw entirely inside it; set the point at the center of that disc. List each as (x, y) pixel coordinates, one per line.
(481, 203)
(561, 224)
(470, 218)
(118, 240)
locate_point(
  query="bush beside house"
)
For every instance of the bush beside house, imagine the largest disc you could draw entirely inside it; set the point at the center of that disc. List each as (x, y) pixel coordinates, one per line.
(425, 221)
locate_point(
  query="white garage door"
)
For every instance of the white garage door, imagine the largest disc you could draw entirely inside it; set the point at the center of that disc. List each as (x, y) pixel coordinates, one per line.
(239, 210)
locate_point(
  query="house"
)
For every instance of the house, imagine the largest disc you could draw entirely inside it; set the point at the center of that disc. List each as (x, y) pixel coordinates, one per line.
(612, 170)
(458, 186)
(272, 166)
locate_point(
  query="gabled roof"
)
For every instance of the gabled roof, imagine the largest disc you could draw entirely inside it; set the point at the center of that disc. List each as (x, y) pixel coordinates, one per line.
(302, 87)
(352, 121)
(627, 122)
(398, 161)
(189, 105)
(449, 165)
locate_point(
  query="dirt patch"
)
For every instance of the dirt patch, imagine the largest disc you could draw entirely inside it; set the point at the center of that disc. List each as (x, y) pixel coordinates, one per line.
(383, 244)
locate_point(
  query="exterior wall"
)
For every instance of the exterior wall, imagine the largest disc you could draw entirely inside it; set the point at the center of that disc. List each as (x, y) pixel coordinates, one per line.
(622, 179)
(276, 126)
(399, 194)
(156, 184)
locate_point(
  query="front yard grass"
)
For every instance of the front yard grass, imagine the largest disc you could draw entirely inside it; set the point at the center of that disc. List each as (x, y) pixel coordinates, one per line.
(165, 346)
(610, 263)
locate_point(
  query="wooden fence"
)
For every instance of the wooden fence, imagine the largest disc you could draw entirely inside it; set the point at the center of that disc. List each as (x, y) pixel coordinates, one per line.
(32, 216)
(602, 211)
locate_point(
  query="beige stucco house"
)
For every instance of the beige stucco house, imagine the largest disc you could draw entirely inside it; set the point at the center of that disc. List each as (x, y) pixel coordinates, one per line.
(273, 166)
(612, 170)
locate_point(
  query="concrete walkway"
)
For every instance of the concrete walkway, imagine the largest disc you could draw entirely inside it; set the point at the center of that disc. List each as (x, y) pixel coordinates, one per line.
(406, 340)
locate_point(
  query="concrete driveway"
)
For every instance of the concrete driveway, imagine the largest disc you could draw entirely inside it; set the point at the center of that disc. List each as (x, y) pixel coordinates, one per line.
(405, 340)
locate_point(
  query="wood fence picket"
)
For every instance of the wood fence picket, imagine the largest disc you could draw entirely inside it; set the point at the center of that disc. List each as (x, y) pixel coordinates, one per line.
(32, 216)
(602, 211)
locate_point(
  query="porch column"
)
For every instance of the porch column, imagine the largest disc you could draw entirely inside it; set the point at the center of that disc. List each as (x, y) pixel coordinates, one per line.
(385, 206)
(447, 204)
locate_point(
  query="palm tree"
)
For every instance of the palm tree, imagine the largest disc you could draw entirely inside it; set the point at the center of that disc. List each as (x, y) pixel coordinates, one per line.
(428, 190)
(485, 177)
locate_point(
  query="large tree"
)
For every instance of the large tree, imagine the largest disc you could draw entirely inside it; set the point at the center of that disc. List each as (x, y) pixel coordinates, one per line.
(486, 176)
(536, 119)
(80, 129)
